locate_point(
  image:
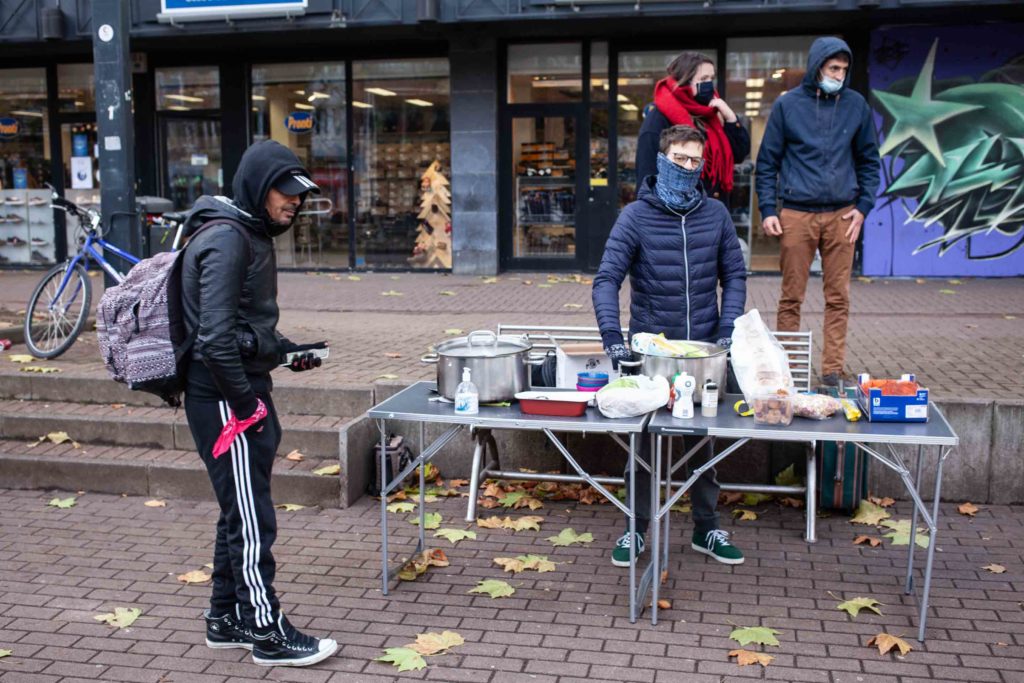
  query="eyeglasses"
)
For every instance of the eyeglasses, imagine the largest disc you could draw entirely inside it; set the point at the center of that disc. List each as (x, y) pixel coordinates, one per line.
(686, 161)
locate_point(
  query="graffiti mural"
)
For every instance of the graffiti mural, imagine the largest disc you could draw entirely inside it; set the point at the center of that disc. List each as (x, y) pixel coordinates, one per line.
(949, 108)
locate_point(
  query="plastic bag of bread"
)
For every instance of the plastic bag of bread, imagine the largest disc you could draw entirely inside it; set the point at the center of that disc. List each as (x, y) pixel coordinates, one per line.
(758, 359)
(815, 406)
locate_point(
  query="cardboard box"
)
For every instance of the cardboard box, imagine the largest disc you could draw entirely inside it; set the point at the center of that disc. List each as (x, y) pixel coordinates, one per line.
(880, 408)
(580, 357)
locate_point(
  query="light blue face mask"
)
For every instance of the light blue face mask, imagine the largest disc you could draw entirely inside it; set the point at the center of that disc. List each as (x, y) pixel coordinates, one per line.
(830, 86)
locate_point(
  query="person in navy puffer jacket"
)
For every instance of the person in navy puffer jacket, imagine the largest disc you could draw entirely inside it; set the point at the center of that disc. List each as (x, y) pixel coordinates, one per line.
(677, 245)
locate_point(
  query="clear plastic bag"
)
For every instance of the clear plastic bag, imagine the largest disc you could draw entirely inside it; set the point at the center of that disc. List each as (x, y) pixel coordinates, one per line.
(632, 395)
(815, 406)
(758, 359)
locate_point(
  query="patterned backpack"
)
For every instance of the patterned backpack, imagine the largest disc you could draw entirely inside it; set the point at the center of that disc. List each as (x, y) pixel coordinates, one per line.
(141, 326)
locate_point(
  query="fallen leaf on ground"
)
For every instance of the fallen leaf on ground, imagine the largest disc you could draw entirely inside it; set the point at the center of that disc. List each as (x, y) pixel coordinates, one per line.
(857, 604)
(520, 499)
(995, 568)
(62, 503)
(730, 497)
(155, 504)
(744, 515)
(456, 535)
(954, 282)
(40, 369)
(538, 563)
(664, 604)
(493, 588)
(435, 643)
(796, 503)
(544, 285)
(874, 541)
(392, 355)
(453, 331)
(194, 576)
(295, 456)
(489, 280)
(882, 502)
(762, 635)
(685, 509)
(488, 503)
(752, 499)
(968, 509)
(869, 513)
(788, 477)
(431, 520)
(745, 657)
(569, 536)
(122, 617)
(406, 659)
(5, 653)
(290, 507)
(391, 292)
(886, 642)
(947, 291)
(401, 507)
(664, 576)
(354, 278)
(900, 533)
(519, 524)
(328, 470)
(455, 483)
(920, 281)
(385, 377)
(20, 358)
(396, 277)
(572, 305)
(117, 406)
(864, 279)
(446, 292)
(418, 565)
(1009, 317)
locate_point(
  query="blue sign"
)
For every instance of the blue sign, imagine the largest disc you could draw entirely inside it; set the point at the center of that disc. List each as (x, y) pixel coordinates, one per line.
(9, 128)
(80, 145)
(218, 10)
(21, 179)
(299, 122)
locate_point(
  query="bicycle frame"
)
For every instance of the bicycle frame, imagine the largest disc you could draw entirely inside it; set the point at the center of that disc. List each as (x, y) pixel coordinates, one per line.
(84, 253)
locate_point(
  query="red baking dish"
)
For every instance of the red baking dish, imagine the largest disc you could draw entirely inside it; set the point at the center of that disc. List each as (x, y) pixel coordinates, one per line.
(554, 403)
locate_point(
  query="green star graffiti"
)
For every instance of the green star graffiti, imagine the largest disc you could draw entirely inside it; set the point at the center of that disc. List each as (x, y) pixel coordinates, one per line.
(962, 154)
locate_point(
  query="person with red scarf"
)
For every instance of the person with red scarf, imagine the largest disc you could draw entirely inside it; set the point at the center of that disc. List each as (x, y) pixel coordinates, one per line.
(687, 96)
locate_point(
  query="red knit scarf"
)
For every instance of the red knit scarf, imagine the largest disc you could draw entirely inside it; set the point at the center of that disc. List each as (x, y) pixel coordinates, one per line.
(679, 107)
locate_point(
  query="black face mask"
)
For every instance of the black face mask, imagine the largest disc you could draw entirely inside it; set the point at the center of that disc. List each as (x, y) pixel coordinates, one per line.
(705, 92)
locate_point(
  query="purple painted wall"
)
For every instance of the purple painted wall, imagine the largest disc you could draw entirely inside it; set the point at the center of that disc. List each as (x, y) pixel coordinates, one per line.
(949, 108)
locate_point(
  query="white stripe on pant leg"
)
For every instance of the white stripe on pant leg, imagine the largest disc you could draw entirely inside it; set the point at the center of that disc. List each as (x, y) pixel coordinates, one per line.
(247, 483)
(240, 501)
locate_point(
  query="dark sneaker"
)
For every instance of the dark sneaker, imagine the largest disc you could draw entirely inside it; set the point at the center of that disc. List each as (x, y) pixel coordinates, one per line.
(832, 379)
(284, 645)
(620, 555)
(716, 544)
(226, 632)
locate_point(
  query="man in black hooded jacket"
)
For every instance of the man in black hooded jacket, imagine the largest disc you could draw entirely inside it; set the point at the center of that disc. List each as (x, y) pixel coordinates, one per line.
(229, 298)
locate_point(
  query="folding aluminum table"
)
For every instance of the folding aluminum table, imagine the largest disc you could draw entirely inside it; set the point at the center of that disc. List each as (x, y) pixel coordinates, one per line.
(414, 404)
(867, 436)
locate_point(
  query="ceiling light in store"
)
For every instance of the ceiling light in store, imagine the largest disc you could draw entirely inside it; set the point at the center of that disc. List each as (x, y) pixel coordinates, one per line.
(635, 81)
(299, 92)
(777, 75)
(558, 83)
(178, 107)
(318, 96)
(303, 105)
(755, 95)
(755, 82)
(183, 98)
(25, 112)
(361, 105)
(420, 103)
(382, 92)
(256, 109)
(623, 98)
(630, 107)
(79, 104)
(259, 98)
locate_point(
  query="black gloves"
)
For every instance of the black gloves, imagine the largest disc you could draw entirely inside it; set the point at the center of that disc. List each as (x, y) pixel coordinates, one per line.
(724, 336)
(291, 354)
(618, 352)
(724, 342)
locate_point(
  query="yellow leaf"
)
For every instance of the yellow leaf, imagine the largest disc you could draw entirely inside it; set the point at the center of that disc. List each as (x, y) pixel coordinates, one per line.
(155, 504)
(494, 588)
(401, 507)
(572, 306)
(968, 509)
(419, 564)
(865, 280)
(455, 535)
(20, 358)
(995, 568)
(538, 563)
(295, 456)
(195, 576)
(886, 642)
(453, 331)
(41, 370)
(544, 285)
(869, 513)
(62, 503)
(386, 377)
(745, 657)
(567, 537)
(1009, 317)
(354, 278)
(396, 277)
(435, 643)
(491, 522)
(328, 470)
(489, 280)
(391, 292)
(431, 520)
(744, 515)
(510, 564)
(290, 507)
(954, 282)
(864, 538)
(446, 292)
(5, 653)
(122, 617)
(947, 291)
(404, 658)
(519, 524)
(853, 607)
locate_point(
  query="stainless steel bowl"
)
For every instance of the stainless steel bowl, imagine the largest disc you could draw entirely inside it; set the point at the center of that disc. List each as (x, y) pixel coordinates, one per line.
(713, 367)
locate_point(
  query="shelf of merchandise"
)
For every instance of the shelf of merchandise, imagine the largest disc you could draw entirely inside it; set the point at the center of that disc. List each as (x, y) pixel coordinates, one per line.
(27, 218)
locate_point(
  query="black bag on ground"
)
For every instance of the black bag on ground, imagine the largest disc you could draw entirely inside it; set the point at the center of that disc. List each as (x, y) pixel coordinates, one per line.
(396, 456)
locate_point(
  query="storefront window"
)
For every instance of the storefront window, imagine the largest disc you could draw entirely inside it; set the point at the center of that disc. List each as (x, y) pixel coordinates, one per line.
(76, 88)
(26, 219)
(545, 72)
(81, 177)
(599, 73)
(188, 88)
(543, 156)
(759, 71)
(302, 106)
(402, 161)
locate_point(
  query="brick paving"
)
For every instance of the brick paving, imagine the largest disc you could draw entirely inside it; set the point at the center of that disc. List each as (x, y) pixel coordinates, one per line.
(963, 338)
(59, 568)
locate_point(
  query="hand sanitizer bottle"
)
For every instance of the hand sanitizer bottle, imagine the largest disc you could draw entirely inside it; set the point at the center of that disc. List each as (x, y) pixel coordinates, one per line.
(467, 398)
(683, 388)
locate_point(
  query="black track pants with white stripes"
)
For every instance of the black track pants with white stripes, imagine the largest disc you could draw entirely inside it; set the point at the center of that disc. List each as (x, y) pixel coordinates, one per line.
(243, 567)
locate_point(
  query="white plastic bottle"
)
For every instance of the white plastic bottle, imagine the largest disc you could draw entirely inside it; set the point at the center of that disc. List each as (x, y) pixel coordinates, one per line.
(467, 397)
(683, 390)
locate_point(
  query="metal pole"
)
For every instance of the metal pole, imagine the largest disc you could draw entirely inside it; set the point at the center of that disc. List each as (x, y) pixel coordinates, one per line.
(933, 532)
(382, 426)
(115, 125)
(909, 586)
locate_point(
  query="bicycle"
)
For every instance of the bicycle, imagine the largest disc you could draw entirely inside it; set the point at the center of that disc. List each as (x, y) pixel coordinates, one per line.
(64, 296)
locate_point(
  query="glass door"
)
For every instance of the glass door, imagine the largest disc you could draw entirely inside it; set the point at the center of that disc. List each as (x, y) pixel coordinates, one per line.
(192, 159)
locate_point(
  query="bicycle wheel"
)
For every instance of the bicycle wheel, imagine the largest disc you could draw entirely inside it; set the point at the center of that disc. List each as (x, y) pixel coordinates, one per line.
(52, 322)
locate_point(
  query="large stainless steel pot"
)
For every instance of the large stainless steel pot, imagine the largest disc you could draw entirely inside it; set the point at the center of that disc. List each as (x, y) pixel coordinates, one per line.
(499, 366)
(713, 367)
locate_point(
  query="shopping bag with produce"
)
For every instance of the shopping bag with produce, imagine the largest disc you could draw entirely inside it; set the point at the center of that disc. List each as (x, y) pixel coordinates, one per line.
(632, 395)
(759, 362)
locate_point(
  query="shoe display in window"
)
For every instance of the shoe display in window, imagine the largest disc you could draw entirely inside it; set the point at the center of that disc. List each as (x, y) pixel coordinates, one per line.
(38, 201)
(14, 200)
(14, 218)
(39, 242)
(16, 241)
(37, 257)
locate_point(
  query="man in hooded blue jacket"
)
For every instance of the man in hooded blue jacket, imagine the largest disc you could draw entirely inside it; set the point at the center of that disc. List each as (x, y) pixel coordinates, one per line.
(677, 245)
(819, 158)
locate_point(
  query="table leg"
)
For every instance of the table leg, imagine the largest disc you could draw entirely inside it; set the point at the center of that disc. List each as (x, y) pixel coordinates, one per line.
(631, 494)
(474, 477)
(933, 532)
(909, 585)
(383, 505)
(812, 495)
(655, 527)
(423, 505)
(667, 471)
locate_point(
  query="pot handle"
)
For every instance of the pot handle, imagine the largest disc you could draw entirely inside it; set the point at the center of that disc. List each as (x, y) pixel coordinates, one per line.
(539, 360)
(493, 338)
(630, 363)
(432, 358)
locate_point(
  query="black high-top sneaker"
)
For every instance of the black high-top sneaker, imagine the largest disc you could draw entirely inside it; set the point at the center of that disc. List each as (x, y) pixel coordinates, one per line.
(284, 645)
(227, 632)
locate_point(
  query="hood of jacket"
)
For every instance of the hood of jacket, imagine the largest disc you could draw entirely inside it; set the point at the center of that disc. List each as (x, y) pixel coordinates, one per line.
(208, 208)
(646, 193)
(261, 165)
(821, 50)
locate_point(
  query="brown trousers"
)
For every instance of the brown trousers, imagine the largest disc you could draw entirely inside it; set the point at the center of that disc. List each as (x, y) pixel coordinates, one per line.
(802, 234)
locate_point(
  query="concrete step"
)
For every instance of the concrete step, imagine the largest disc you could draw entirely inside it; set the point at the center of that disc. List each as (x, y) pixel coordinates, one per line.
(156, 472)
(315, 436)
(291, 395)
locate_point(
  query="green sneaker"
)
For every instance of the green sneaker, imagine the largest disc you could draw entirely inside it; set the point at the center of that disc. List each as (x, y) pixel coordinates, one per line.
(715, 544)
(620, 555)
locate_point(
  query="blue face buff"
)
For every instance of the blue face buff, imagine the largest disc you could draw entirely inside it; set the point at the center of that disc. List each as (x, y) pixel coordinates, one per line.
(705, 92)
(830, 86)
(676, 186)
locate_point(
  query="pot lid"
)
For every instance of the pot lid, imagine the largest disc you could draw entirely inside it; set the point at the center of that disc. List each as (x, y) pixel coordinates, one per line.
(483, 344)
